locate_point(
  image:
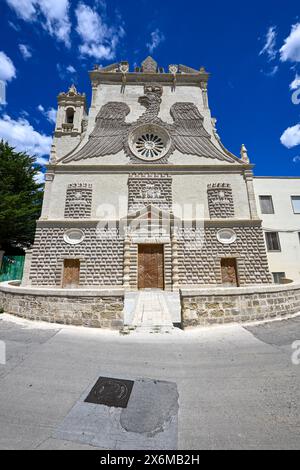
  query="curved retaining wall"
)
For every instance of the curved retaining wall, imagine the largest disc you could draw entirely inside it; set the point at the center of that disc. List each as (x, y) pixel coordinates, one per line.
(101, 308)
(227, 305)
(86, 307)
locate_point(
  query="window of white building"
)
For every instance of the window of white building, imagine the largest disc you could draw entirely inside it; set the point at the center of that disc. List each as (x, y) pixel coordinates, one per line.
(266, 204)
(296, 204)
(273, 242)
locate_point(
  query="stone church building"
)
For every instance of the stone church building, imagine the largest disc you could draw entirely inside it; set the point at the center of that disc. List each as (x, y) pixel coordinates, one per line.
(140, 192)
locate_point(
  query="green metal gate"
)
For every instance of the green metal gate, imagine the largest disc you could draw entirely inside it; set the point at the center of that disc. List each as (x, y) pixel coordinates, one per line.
(12, 268)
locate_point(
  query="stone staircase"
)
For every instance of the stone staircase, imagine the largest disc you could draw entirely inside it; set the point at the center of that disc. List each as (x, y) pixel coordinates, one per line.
(152, 311)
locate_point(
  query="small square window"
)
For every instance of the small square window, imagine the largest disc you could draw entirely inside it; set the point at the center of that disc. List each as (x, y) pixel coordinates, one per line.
(273, 242)
(278, 277)
(266, 204)
(296, 204)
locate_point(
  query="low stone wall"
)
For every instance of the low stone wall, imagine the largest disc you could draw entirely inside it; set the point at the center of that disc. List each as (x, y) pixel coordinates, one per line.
(96, 309)
(104, 308)
(226, 305)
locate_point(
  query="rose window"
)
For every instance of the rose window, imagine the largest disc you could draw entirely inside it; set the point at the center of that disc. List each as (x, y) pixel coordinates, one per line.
(149, 145)
(149, 142)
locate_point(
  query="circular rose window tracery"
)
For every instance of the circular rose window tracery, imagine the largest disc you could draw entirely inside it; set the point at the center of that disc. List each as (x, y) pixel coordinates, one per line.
(149, 145)
(149, 142)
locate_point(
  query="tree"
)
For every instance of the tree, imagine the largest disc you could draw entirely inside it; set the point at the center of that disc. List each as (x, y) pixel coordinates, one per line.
(20, 197)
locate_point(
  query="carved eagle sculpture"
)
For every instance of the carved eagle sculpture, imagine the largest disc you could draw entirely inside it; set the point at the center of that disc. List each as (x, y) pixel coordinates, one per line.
(111, 131)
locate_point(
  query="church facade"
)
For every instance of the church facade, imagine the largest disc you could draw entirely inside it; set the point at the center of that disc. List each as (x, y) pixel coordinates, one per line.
(141, 193)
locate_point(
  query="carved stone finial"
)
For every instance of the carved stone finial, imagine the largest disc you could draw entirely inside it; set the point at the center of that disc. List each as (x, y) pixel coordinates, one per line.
(215, 130)
(72, 90)
(124, 67)
(244, 154)
(53, 156)
(149, 65)
(173, 69)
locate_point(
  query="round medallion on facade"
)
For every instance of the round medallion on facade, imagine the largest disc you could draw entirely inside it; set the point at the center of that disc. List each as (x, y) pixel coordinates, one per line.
(149, 142)
(226, 236)
(74, 236)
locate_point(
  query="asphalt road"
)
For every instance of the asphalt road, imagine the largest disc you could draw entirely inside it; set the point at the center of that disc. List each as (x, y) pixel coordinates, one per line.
(227, 387)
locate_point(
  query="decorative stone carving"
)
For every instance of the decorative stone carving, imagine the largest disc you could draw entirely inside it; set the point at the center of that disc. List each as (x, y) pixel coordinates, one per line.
(146, 189)
(149, 65)
(244, 154)
(112, 133)
(74, 236)
(226, 236)
(220, 201)
(149, 142)
(78, 201)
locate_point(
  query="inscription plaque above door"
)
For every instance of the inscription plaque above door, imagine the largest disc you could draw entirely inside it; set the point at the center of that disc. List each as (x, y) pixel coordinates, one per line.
(151, 267)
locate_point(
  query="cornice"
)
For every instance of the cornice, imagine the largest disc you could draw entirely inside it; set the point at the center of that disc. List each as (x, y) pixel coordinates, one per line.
(153, 168)
(218, 223)
(198, 79)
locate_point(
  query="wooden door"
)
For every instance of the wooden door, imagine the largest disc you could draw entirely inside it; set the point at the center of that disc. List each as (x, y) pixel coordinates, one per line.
(229, 272)
(71, 273)
(151, 267)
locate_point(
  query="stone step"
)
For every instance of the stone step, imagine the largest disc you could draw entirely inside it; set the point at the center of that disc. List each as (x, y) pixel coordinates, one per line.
(153, 311)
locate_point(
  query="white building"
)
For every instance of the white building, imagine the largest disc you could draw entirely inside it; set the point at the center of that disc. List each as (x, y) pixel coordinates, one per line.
(278, 203)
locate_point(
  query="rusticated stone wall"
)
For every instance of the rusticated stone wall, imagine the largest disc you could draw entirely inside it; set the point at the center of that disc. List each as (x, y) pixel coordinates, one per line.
(145, 189)
(94, 312)
(220, 201)
(200, 253)
(100, 255)
(78, 203)
(204, 308)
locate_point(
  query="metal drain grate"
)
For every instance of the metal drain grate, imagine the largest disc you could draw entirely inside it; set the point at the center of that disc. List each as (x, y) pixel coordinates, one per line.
(111, 392)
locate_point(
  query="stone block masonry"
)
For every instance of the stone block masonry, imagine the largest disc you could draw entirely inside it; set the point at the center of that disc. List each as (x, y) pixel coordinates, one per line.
(220, 201)
(79, 201)
(98, 311)
(199, 256)
(101, 257)
(104, 308)
(145, 189)
(237, 305)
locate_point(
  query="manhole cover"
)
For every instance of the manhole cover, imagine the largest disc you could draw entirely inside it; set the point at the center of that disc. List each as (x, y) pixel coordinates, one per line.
(111, 392)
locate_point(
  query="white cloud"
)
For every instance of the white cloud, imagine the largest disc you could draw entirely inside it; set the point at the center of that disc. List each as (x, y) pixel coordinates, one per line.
(54, 15)
(291, 137)
(99, 40)
(295, 83)
(21, 135)
(7, 68)
(50, 113)
(157, 37)
(291, 48)
(40, 177)
(269, 48)
(25, 9)
(66, 71)
(25, 51)
(272, 72)
(71, 69)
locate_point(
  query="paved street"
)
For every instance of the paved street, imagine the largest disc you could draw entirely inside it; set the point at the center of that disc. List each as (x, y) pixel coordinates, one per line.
(228, 387)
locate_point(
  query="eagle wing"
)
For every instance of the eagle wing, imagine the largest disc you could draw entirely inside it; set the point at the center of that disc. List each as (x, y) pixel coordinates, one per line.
(189, 134)
(108, 135)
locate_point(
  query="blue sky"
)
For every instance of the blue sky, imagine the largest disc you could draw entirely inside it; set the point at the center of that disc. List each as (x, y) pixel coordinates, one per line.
(251, 49)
